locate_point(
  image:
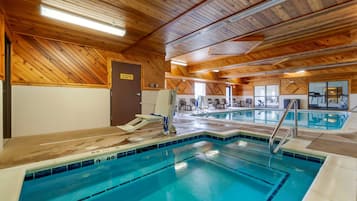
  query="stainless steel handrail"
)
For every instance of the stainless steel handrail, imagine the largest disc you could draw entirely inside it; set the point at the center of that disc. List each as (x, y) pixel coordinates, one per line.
(292, 132)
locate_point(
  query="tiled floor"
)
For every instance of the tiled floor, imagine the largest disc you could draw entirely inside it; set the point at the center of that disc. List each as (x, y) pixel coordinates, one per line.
(23, 150)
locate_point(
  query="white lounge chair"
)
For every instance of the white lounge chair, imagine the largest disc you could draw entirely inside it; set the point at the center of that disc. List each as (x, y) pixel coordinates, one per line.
(164, 109)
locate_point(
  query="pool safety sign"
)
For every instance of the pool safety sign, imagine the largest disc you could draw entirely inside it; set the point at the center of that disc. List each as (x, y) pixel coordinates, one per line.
(125, 76)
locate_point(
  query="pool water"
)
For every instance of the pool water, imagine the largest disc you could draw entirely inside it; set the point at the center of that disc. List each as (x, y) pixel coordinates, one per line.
(321, 120)
(207, 170)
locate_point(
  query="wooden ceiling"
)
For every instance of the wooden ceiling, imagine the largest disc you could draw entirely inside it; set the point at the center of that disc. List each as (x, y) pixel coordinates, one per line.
(209, 34)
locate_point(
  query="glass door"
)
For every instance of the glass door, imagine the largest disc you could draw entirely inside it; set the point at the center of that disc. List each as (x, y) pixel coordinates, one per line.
(272, 97)
(328, 95)
(337, 95)
(259, 96)
(266, 96)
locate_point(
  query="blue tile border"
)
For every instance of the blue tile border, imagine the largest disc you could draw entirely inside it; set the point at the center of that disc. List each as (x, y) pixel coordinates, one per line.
(136, 178)
(42, 173)
(59, 169)
(28, 177)
(74, 166)
(88, 162)
(303, 157)
(276, 190)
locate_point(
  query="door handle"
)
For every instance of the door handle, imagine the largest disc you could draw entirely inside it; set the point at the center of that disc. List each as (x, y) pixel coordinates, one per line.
(138, 94)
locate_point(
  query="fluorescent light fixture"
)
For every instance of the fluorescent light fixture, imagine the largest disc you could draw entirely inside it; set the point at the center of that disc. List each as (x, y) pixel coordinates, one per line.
(177, 62)
(81, 21)
(300, 71)
(201, 71)
(215, 71)
(256, 9)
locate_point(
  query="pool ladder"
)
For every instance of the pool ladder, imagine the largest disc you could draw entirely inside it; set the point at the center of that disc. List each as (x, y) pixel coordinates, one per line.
(292, 132)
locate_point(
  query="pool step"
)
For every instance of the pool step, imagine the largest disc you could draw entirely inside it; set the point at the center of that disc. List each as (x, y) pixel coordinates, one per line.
(247, 168)
(251, 152)
(272, 178)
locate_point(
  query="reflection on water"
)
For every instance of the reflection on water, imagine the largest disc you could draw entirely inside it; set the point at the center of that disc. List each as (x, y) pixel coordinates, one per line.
(308, 119)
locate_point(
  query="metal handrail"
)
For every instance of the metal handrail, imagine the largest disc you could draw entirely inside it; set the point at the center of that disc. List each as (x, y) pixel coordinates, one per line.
(292, 132)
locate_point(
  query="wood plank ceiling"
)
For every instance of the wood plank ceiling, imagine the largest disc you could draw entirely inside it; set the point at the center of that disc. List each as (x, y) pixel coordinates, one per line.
(294, 34)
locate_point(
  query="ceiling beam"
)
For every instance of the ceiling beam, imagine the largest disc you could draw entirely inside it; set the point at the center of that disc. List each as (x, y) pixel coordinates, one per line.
(198, 5)
(251, 38)
(292, 70)
(317, 45)
(312, 62)
(167, 76)
(180, 47)
(258, 7)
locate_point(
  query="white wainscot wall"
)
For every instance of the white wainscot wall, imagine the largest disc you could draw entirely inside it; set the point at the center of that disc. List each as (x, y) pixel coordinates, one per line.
(303, 100)
(353, 100)
(38, 110)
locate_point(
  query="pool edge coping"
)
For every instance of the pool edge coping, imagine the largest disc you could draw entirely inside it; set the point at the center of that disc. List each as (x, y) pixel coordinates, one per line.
(343, 130)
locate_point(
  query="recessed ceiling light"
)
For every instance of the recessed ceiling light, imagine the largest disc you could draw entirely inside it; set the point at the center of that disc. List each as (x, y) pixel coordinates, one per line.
(300, 71)
(216, 70)
(81, 21)
(177, 62)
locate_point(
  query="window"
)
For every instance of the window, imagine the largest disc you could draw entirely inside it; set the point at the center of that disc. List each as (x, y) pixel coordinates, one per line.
(328, 95)
(229, 95)
(272, 96)
(266, 96)
(200, 89)
(259, 96)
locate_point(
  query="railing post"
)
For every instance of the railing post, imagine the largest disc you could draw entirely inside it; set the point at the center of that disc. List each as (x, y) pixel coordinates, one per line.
(277, 127)
(295, 118)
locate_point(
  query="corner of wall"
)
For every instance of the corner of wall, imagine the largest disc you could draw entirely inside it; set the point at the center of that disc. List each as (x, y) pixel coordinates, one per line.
(353, 100)
(1, 120)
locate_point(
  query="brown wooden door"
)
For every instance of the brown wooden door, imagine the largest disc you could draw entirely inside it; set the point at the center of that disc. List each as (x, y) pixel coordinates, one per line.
(125, 92)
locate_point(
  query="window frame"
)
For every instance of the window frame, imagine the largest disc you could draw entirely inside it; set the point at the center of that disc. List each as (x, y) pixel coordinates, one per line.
(266, 96)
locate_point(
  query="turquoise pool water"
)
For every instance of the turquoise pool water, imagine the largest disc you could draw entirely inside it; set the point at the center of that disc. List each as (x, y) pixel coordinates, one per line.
(205, 169)
(321, 120)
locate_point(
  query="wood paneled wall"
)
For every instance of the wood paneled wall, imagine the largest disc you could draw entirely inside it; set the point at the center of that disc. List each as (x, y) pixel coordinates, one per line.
(294, 85)
(2, 46)
(176, 70)
(153, 66)
(354, 86)
(186, 87)
(215, 89)
(38, 61)
(297, 86)
(243, 90)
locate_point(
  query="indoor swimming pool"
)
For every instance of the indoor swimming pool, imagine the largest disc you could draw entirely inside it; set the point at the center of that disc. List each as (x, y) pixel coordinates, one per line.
(312, 119)
(203, 167)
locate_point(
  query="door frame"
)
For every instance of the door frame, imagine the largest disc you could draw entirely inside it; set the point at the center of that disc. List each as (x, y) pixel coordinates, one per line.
(109, 69)
(7, 98)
